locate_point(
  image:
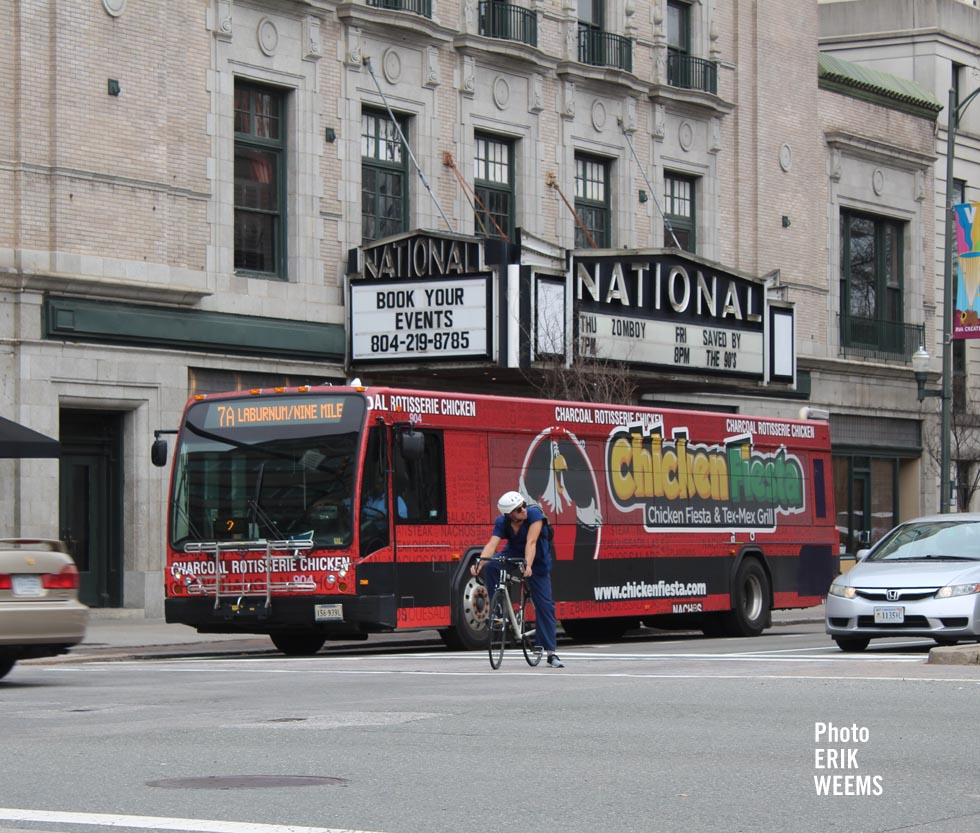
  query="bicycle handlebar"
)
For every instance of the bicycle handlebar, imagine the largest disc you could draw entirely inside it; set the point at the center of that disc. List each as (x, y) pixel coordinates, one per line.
(506, 562)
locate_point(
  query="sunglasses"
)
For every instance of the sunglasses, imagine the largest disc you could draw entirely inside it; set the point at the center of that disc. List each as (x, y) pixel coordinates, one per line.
(520, 508)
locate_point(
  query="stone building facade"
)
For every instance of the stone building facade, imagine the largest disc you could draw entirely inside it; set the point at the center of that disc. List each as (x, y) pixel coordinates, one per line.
(185, 182)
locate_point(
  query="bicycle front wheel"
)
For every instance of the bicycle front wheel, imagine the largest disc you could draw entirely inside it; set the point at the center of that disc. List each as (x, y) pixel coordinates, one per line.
(529, 627)
(498, 628)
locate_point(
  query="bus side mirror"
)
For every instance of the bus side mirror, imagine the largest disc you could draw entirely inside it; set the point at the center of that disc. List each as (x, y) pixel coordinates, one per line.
(413, 444)
(158, 452)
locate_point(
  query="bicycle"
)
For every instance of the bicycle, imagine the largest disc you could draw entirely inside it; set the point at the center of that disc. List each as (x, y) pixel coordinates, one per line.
(517, 613)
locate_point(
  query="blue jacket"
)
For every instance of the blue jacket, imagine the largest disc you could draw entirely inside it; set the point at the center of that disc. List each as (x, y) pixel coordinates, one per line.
(517, 541)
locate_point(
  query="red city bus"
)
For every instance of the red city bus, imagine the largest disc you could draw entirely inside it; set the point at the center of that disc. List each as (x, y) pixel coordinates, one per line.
(314, 513)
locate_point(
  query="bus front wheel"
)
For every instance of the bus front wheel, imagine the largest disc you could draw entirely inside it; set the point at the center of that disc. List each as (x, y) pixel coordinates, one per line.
(297, 644)
(471, 605)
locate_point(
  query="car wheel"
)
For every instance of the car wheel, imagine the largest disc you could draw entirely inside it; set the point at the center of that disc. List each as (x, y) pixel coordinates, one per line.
(945, 641)
(6, 663)
(851, 644)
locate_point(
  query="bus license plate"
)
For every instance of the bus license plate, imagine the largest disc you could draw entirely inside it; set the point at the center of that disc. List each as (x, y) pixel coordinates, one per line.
(26, 585)
(328, 613)
(889, 615)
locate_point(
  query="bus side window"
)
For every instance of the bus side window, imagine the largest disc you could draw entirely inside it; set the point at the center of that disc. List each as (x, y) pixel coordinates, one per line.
(420, 485)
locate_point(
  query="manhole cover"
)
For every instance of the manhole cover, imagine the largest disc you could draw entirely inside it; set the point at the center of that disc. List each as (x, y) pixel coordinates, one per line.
(246, 782)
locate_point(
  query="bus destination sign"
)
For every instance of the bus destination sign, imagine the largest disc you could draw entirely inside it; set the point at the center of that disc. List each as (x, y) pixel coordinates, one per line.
(294, 410)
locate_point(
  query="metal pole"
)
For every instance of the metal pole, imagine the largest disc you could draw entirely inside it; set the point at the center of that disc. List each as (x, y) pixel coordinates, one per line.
(954, 111)
(946, 400)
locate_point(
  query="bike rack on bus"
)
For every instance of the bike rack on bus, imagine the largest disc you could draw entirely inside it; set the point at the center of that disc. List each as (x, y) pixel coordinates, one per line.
(220, 548)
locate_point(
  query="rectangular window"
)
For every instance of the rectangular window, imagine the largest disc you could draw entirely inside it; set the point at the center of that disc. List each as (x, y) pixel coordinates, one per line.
(493, 182)
(680, 215)
(420, 485)
(592, 201)
(678, 27)
(259, 190)
(384, 177)
(872, 302)
(959, 191)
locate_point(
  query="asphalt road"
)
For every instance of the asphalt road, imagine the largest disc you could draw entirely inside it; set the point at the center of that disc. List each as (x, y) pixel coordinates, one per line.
(667, 734)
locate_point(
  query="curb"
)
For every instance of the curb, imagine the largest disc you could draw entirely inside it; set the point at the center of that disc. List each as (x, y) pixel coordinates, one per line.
(955, 655)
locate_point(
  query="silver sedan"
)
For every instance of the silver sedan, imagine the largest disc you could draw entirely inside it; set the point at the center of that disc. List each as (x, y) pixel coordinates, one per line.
(921, 579)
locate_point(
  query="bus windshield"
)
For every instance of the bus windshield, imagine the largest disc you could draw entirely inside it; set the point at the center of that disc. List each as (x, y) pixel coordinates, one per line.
(275, 469)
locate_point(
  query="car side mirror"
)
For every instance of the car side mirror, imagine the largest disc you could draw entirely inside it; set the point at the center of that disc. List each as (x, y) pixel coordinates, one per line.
(158, 452)
(861, 554)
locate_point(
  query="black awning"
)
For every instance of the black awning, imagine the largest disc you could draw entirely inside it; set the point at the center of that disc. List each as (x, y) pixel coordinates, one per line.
(18, 441)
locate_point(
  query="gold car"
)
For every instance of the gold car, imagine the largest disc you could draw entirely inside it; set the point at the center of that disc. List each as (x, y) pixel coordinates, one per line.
(40, 615)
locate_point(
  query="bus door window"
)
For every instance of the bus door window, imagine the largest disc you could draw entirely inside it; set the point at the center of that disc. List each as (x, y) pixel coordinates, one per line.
(375, 532)
(420, 485)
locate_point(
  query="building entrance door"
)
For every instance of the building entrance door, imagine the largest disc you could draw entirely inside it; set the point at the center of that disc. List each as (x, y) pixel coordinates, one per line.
(90, 504)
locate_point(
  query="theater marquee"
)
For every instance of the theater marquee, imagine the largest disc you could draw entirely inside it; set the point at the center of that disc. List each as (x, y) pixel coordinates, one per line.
(669, 312)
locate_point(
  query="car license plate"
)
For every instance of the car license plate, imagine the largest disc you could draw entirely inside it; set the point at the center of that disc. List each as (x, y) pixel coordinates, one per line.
(328, 613)
(26, 586)
(889, 615)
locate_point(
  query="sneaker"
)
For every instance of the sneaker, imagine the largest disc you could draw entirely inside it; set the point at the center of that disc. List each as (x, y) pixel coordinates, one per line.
(555, 662)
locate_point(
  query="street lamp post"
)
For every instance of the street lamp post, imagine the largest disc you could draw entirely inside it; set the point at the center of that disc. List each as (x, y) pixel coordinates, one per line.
(954, 111)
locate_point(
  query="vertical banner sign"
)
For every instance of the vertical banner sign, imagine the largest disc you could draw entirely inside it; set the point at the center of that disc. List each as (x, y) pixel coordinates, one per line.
(966, 322)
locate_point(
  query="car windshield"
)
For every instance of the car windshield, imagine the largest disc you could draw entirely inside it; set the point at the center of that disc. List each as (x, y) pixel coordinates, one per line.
(926, 540)
(276, 469)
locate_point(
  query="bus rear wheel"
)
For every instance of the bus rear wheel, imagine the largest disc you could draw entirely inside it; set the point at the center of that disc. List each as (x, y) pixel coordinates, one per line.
(297, 644)
(750, 611)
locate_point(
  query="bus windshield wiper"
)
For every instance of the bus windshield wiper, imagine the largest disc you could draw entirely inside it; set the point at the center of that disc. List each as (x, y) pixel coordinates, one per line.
(258, 514)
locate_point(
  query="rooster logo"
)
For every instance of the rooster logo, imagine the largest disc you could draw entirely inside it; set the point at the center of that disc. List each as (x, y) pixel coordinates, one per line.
(557, 474)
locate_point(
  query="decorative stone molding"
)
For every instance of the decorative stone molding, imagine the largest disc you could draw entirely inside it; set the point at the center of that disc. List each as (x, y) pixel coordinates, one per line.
(501, 92)
(391, 66)
(714, 136)
(878, 181)
(629, 27)
(685, 135)
(470, 22)
(629, 115)
(352, 48)
(431, 68)
(598, 115)
(714, 52)
(468, 82)
(312, 48)
(222, 19)
(535, 97)
(659, 121)
(836, 165)
(114, 7)
(567, 100)
(785, 157)
(268, 36)
(920, 186)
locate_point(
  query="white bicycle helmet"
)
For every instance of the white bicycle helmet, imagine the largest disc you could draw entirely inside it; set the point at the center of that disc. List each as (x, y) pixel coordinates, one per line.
(509, 501)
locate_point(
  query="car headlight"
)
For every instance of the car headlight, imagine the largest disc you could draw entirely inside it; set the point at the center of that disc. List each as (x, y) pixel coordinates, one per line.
(957, 590)
(842, 590)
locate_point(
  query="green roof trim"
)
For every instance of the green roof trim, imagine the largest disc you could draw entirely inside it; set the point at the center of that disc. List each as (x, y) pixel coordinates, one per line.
(871, 84)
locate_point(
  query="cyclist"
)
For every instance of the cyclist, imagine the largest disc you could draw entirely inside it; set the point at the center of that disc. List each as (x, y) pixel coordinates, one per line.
(520, 526)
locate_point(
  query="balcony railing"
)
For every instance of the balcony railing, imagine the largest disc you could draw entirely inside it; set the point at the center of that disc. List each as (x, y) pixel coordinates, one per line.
(690, 73)
(420, 7)
(508, 22)
(872, 339)
(604, 49)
